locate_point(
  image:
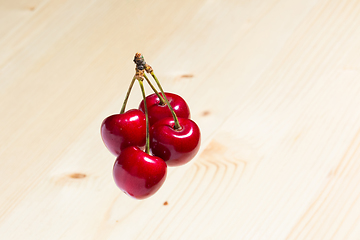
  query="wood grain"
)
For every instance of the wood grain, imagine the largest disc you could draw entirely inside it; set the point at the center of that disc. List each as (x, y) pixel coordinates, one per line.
(274, 86)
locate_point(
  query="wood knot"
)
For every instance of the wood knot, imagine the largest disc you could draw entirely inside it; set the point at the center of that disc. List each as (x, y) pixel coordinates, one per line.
(77, 175)
(166, 203)
(205, 113)
(187, 76)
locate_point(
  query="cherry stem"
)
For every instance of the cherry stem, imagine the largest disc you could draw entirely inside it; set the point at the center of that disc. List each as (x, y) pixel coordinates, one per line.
(154, 89)
(127, 96)
(147, 148)
(141, 65)
(177, 124)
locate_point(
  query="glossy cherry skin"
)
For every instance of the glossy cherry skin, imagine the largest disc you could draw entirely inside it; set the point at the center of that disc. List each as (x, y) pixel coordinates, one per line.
(120, 131)
(139, 174)
(157, 111)
(175, 147)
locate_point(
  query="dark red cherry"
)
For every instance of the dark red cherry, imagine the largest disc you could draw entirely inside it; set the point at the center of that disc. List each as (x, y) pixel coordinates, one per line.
(120, 131)
(139, 174)
(157, 111)
(175, 147)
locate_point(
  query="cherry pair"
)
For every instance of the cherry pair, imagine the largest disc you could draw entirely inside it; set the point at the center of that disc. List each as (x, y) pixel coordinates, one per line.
(171, 136)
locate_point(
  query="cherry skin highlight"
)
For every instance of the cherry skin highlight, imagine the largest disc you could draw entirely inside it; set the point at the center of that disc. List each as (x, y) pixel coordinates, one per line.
(175, 147)
(139, 174)
(157, 111)
(120, 131)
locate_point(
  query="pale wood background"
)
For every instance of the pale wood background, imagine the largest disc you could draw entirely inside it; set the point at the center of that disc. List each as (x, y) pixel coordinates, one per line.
(274, 86)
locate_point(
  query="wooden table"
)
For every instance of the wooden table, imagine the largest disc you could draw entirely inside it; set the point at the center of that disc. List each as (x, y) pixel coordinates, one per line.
(274, 86)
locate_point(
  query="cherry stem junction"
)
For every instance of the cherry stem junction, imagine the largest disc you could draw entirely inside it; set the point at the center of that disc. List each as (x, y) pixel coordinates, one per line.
(127, 96)
(147, 147)
(155, 91)
(177, 124)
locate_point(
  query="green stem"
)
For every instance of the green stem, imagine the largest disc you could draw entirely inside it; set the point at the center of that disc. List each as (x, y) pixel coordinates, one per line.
(155, 91)
(177, 124)
(147, 148)
(127, 96)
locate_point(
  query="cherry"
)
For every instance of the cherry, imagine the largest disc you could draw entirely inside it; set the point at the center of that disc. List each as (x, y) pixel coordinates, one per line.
(175, 146)
(120, 131)
(159, 111)
(139, 174)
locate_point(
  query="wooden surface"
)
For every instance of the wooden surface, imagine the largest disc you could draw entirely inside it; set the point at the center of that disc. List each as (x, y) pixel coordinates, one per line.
(274, 86)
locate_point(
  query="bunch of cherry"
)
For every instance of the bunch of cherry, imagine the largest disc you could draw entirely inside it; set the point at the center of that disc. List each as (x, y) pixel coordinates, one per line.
(161, 126)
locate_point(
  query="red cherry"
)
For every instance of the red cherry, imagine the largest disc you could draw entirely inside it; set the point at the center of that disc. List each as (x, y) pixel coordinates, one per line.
(139, 174)
(175, 147)
(120, 131)
(157, 111)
